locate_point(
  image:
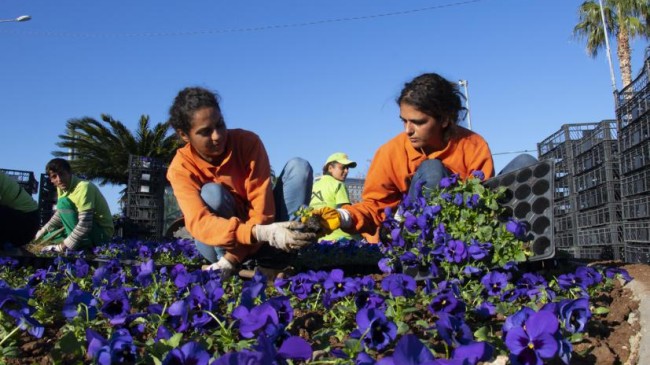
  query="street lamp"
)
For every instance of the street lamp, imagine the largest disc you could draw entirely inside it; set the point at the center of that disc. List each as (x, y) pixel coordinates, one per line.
(22, 18)
(464, 84)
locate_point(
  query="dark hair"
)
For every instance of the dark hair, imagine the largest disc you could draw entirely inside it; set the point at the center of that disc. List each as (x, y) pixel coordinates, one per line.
(435, 96)
(326, 168)
(188, 101)
(58, 165)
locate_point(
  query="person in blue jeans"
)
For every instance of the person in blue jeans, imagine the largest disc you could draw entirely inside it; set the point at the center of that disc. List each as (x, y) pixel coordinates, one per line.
(292, 190)
(222, 182)
(430, 172)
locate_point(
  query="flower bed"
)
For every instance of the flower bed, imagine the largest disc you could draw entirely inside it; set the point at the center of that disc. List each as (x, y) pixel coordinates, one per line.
(454, 288)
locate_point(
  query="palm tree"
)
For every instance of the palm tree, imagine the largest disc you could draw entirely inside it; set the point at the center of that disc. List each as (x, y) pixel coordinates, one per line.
(626, 19)
(101, 149)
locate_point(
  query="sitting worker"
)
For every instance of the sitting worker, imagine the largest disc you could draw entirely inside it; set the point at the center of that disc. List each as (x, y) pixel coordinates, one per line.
(18, 214)
(432, 146)
(330, 191)
(81, 210)
(222, 181)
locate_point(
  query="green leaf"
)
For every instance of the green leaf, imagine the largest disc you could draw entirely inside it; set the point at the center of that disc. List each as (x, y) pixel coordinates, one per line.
(576, 337)
(481, 334)
(601, 310)
(70, 345)
(402, 327)
(175, 340)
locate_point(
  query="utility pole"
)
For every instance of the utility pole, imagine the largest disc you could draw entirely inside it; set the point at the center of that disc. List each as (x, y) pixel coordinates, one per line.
(464, 84)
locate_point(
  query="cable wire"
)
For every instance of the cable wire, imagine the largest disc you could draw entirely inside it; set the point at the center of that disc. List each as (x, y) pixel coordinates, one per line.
(241, 30)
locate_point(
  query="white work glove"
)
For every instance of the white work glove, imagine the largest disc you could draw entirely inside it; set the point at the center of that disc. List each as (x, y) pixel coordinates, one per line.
(226, 267)
(286, 236)
(53, 248)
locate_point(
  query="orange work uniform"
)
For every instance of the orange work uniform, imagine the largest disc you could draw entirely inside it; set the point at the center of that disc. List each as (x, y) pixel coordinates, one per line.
(245, 172)
(394, 165)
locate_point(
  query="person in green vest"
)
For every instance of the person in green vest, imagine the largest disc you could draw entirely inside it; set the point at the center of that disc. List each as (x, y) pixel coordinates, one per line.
(329, 190)
(81, 210)
(18, 214)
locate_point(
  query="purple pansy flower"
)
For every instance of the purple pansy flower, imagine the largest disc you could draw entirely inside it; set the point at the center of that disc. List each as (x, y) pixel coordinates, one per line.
(575, 314)
(409, 351)
(399, 285)
(517, 228)
(494, 282)
(536, 340)
(374, 330)
(190, 353)
(453, 330)
(115, 305)
(456, 251)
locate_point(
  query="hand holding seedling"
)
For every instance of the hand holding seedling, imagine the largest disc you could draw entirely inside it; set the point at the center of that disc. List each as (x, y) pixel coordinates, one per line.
(286, 236)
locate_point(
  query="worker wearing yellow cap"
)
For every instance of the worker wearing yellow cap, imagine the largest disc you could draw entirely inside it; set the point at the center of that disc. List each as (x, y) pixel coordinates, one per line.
(329, 190)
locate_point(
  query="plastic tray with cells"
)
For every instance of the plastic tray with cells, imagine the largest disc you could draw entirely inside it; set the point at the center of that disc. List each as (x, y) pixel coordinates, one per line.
(529, 198)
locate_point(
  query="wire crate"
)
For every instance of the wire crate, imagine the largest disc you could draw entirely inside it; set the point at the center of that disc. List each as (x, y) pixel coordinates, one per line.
(564, 223)
(635, 132)
(564, 206)
(562, 139)
(636, 183)
(638, 254)
(610, 213)
(637, 232)
(605, 131)
(633, 100)
(603, 152)
(609, 235)
(144, 201)
(601, 252)
(638, 208)
(636, 158)
(609, 192)
(563, 187)
(145, 182)
(145, 163)
(146, 214)
(565, 239)
(25, 179)
(605, 172)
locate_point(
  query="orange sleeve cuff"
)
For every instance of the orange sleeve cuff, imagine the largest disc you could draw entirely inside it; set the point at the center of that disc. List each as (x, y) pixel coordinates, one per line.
(244, 233)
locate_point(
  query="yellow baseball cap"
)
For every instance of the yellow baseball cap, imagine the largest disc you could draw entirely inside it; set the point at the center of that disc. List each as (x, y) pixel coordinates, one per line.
(341, 158)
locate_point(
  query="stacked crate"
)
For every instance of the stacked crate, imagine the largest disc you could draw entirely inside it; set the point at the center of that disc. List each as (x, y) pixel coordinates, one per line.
(597, 184)
(24, 178)
(145, 191)
(559, 148)
(633, 114)
(47, 197)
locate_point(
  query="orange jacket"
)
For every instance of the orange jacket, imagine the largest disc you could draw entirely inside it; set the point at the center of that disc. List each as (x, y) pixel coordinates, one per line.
(245, 172)
(394, 164)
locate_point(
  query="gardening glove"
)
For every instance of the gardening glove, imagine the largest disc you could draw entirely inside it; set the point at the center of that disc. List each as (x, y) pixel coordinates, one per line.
(226, 267)
(286, 236)
(332, 219)
(54, 248)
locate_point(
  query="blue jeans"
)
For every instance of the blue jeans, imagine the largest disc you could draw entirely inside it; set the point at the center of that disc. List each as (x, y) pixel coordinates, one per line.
(427, 175)
(430, 172)
(292, 190)
(519, 162)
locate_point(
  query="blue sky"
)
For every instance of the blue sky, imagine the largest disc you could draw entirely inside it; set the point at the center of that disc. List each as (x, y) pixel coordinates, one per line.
(307, 85)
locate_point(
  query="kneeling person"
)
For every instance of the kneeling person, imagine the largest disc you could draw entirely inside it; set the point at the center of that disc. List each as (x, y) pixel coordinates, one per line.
(18, 213)
(80, 208)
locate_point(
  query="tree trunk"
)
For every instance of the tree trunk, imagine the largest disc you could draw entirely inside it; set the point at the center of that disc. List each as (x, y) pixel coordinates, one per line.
(624, 54)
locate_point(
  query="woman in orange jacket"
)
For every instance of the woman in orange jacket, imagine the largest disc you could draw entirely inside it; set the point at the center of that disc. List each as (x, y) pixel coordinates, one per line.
(222, 181)
(431, 146)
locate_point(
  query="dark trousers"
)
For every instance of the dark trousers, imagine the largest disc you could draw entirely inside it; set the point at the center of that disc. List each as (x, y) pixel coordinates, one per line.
(16, 227)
